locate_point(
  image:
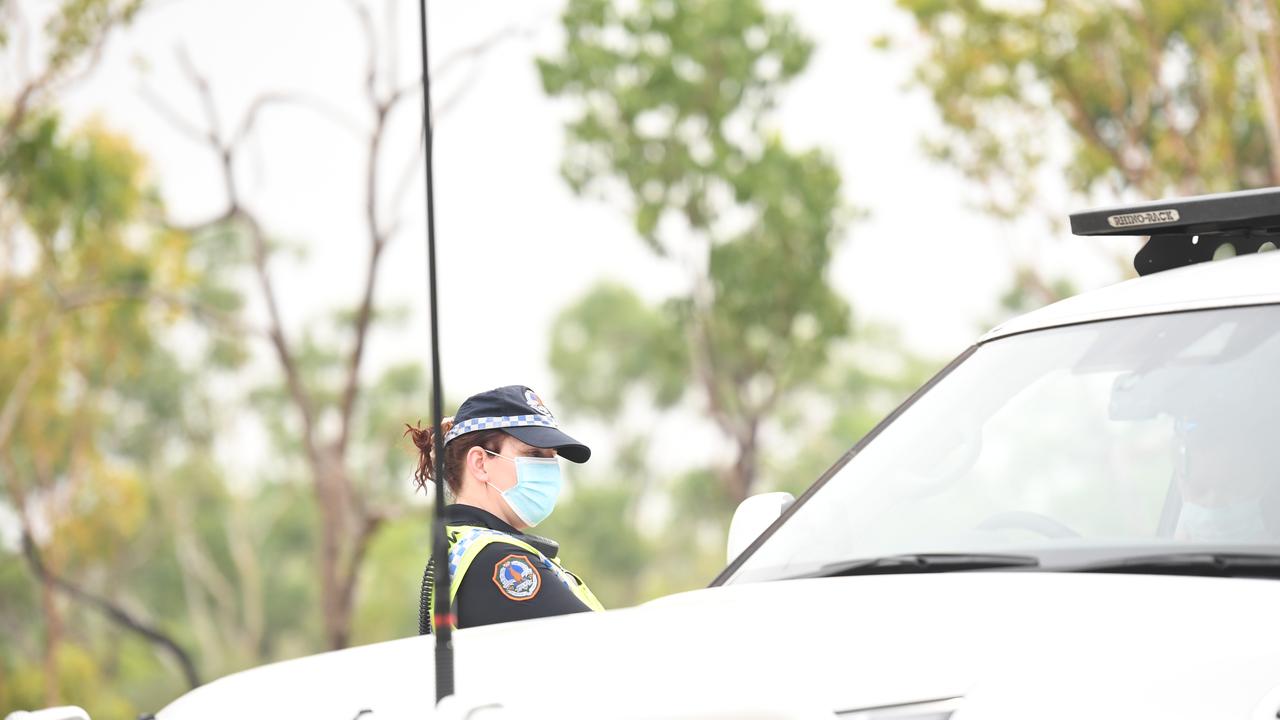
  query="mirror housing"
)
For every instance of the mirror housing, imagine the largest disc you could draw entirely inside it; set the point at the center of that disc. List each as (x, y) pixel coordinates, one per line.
(753, 517)
(66, 712)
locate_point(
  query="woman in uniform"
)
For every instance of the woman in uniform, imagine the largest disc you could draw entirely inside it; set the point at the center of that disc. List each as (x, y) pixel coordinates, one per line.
(501, 468)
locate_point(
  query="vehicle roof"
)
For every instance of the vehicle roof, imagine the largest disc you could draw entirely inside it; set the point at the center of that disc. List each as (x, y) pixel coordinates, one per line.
(1244, 280)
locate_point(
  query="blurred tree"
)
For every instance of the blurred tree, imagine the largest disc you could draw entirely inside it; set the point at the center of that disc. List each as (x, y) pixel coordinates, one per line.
(114, 327)
(868, 378)
(319, 413)
(75, 34)
(1152, 98)
(92, 277)
(89, 276)
(672, 105)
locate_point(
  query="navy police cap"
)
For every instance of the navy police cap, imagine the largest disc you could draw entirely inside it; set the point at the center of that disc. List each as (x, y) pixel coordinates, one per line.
(519, 412)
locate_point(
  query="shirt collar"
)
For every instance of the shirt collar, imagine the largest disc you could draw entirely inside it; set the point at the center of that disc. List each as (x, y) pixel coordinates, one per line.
(459, 514)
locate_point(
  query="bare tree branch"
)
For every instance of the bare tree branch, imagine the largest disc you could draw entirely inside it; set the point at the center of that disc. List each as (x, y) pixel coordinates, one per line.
(54, 75)
(393, 43)
(369, 526)
(113, 611)
(1078, 118)
(408, 175)
(318, 105)
(451, 100)
(275, 332)
(472, 52)
(175, 118)
(480, 48)
(94, 58)
(347, 528)
(53, 623)
(371, 50)
(17, 398)
(81, 298)
(206, 95)
(21, 106)
(221, 218)
(249, 571)
(378, 234)
(237, 212)
(364, 314)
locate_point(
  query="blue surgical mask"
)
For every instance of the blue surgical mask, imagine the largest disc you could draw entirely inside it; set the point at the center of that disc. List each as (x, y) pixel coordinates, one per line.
(537, 487)
(1234, 522)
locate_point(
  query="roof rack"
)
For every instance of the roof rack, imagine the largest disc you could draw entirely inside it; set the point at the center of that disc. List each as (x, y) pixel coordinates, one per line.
(1191, 230)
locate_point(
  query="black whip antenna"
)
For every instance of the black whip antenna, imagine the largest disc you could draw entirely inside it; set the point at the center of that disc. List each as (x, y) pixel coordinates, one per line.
(443, 616)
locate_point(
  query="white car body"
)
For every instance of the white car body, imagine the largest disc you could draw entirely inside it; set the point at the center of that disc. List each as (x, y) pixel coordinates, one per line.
(980, 645)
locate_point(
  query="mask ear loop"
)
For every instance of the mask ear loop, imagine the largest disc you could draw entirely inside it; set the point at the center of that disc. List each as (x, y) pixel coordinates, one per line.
(504, 457)
(516, 460)
(495, 488)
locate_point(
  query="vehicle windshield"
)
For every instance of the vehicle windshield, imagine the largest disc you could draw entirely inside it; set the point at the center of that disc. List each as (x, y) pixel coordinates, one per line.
(1158, 432)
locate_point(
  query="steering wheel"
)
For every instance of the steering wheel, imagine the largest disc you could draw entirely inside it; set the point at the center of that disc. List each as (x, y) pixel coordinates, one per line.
(1024, 520)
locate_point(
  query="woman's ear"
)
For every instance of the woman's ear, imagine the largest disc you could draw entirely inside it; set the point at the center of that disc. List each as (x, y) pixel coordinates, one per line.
(475, 463)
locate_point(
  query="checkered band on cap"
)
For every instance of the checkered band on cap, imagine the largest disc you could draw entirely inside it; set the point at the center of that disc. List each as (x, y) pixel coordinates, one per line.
(496, 423)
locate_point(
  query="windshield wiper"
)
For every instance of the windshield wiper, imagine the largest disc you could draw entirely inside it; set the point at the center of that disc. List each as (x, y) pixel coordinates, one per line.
(1211, 564)
(924, 563)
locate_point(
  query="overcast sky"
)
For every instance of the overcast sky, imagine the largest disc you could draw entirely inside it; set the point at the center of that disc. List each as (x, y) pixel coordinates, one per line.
(515, 246)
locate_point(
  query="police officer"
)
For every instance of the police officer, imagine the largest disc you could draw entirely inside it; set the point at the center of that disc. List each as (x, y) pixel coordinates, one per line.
(1226, 472)
(501, 467)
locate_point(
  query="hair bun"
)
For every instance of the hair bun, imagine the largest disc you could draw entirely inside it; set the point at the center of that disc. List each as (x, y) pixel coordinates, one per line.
(424, 440)
(422, 436)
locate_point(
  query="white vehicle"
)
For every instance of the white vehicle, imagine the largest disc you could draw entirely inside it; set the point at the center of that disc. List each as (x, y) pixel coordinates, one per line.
(1077, 518)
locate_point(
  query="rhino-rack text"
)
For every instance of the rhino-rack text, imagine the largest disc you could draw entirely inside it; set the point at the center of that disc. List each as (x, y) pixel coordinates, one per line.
(1154, 217)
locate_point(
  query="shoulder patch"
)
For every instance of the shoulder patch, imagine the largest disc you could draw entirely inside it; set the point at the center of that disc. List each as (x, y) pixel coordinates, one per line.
(517, 578)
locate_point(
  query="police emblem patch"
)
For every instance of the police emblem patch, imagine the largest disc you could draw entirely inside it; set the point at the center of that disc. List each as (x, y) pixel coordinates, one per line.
(535, 403)
(517, 578)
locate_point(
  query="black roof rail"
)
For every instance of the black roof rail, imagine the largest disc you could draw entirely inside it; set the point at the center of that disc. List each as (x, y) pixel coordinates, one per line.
(1185, 231)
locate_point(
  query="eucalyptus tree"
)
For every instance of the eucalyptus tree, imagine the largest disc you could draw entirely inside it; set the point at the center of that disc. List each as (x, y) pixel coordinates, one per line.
(672, 122)
(1119, 99)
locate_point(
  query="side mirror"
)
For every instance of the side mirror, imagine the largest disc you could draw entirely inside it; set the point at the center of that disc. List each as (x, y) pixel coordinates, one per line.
(753, 516)
(66, 712)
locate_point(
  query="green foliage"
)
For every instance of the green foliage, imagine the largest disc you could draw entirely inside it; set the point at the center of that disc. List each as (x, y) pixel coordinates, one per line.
(104, 415)
(673, 100)
(671, 106)
(611, 334)
(868, 379)
(1027, 293)
(114, 330)
(79, 25)
(124, 324)
(385, 457)
(661, 88)
(392, 579)
(1144, 98)
(80, 681)
(1157, 97)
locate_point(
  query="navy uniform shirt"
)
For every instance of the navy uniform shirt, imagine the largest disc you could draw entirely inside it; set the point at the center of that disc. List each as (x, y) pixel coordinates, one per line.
(499, 586)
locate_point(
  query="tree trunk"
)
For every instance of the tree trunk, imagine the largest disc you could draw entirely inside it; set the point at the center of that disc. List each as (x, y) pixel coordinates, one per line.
(1265, 48)
(53, 636)
(341, 531)
(742, 476)
(48, 602)
(332, 534)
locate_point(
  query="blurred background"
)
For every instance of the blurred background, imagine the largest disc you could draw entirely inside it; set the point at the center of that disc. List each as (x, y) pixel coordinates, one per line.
(721, 238)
